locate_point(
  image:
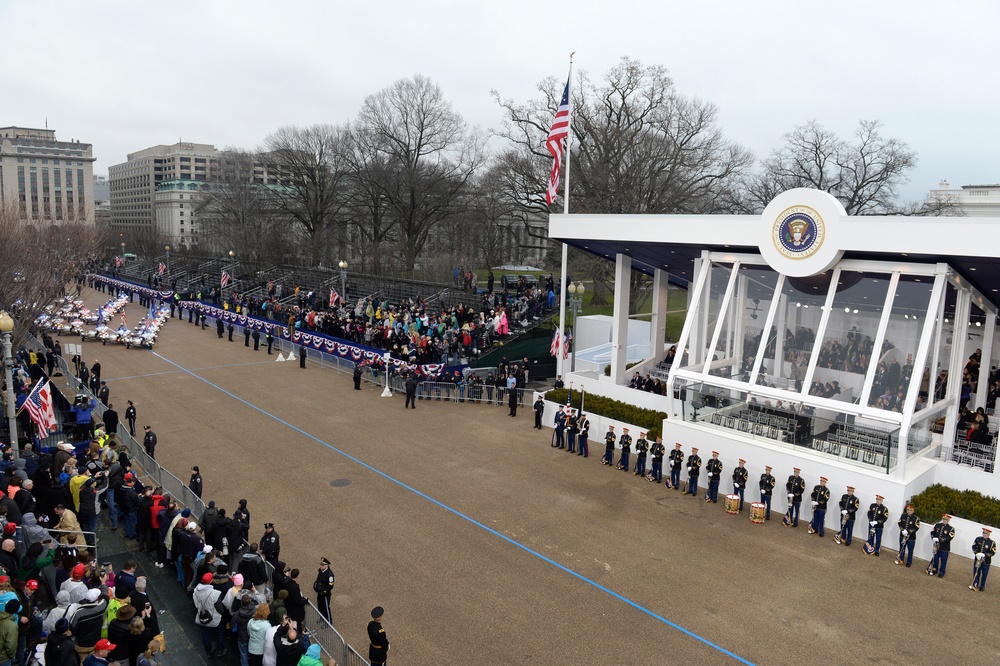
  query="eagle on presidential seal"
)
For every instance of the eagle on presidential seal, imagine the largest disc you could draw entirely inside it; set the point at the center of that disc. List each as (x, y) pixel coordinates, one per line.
(798, 232)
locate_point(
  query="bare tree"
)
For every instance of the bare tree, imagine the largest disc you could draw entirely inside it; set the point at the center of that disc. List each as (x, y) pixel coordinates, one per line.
(424, 156)
(313, 170)
(38, 264)
(864, 174)
(241, 212)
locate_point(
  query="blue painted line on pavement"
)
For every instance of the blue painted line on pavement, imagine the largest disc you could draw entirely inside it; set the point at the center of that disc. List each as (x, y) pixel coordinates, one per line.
(471, 520)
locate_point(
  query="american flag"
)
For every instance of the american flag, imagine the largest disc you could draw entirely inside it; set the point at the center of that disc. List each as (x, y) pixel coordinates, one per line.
(162, 268)
(559, 132)
(554, 347)
(225, 278)
(39, 406)
(334, 297)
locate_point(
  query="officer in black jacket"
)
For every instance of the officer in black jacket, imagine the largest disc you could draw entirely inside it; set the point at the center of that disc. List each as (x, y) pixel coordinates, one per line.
(256, 340)
(693, 470)
(983, 550)
(877, 515)
(379, 643)
(714, 469)
(641, 449)
(941, 536)
(572, 428)
(657, 450)
(766, 485)
(740, 476)
(818, 499)
(358, 370)
(539, 408)
(609, 446)
(676, 462)
(908, 523)
(269, 339)
(219, 327)
(270, 544)
(849, 505)
(323, 587)
(795, 486)
(625, 441)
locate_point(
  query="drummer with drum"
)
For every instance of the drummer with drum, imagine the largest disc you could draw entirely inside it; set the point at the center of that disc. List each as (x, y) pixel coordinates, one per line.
(819, 498)
(740, 475)
(714, 470)
(766, 484)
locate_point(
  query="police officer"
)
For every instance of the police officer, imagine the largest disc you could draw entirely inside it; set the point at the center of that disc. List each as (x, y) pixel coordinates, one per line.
(908, 523)
(795, 486)
(766, 484)
(983, 549)
(941, 536)
(256, 340)
(641, 447)
(358, 371)
(609, 446)
(572, 429)
(219, 327)
(819, 498)
(130, 417)
(877, 515)
(323, 587)
(246, 336)
(693, 470)
(849, 505)
(625, 441)
(378, 648)
(539, 408)
(714, 469)
(676, 462)
(559, 421)
(584, 435)
(230, 329)
(270, 544)
(269, 339)
(657, 451)
(740, 475)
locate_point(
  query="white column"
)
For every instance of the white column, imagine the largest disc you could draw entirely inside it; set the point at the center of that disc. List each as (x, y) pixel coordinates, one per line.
(619, 328)
(956, 364)
(658, 322)
(984, 365)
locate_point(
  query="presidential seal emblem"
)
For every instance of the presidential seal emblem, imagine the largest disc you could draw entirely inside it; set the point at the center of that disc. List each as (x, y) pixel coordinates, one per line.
(798, 232)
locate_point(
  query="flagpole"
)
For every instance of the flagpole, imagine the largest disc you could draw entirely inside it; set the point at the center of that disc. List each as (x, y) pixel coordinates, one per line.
(565, 249)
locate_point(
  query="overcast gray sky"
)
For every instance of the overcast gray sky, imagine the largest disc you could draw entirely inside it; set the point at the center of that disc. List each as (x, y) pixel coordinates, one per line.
(128, 75)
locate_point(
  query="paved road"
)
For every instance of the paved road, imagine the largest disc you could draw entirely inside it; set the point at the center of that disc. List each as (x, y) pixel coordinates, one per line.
(485, 545)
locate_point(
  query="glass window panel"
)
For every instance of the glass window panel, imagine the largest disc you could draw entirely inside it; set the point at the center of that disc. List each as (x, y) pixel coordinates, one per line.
(796, 322)
(717, 290)
(757, 293)
(943, 345)
(895, 360)
(846, 350)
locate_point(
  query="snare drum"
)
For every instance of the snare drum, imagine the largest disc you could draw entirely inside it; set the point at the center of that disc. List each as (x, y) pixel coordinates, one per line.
(757, 510)
(732, 503)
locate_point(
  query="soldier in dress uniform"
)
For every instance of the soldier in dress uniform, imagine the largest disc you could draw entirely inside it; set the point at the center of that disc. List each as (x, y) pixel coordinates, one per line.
(983, 549)
(795, 486)
(849, 505)
(584, 436)
(539, 409)
(572, 429)
(941, 536)
(908, 523)
(270, 544)
(714, 470)
(693, 470)
(625, 441)
(740, 475)
(657, 450)
(609, 446)
(877, 515)
(818, 499)
(378, 648)
(559, 421)
(641, 450)
(766, 484)
(676, 462)
(323, 587)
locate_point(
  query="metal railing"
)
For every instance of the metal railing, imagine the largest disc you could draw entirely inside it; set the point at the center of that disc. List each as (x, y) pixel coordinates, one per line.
(322, 632)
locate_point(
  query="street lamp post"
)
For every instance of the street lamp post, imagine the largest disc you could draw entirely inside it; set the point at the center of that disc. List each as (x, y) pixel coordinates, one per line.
(167, 248)
(232, 263)
(7, 327)
(343, 280)
(576, 292)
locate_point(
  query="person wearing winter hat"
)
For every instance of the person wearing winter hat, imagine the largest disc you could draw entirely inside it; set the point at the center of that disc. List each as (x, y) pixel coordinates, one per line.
(8, 631)
(208, 618)
(312, 657)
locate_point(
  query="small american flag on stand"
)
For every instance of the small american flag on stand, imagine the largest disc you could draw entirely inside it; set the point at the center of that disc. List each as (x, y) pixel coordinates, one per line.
(39, 406)
(334, 297)
(162, 268)
(225, 278)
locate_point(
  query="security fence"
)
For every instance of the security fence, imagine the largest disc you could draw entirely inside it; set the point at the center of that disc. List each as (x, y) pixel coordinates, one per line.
(152, 473)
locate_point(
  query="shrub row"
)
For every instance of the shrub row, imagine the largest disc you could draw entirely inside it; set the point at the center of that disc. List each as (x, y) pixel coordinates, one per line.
(628, 366)
(648, 419)
(968, 504)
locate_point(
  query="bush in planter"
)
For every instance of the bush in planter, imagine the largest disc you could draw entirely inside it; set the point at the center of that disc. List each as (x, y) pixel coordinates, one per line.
(967, 504)
(648, 419)
(607, 368)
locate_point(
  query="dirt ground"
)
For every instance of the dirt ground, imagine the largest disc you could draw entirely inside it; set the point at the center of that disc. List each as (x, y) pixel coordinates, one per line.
(485, 545)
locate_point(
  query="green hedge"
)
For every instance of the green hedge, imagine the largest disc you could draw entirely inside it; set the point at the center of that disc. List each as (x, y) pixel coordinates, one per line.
(648, 419)
(628, 366)
(967, 504)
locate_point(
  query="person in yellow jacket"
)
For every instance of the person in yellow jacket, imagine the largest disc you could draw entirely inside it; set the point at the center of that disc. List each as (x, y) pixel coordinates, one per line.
(75, 483)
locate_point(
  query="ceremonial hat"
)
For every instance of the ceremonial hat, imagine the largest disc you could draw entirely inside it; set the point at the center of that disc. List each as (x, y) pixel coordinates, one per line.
(987, 530)
(796, 469)
(715, 453)
(878, 497)
(850, 487)
(325, 561)
(268, 526)
(823, 478)
(642, 432)
(625, 429)
(377, 612)
(742, 461)
(945, 516)
(768, 467)
(693, 449)
(909, 506)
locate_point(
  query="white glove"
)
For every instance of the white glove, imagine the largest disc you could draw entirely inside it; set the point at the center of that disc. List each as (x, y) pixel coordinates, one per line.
(689, 469)
(873, 523)
(790, 496)
(980, 556)
(936, 540)
(737, 486)
(905, 533)
(814, 504)
(844, 512)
